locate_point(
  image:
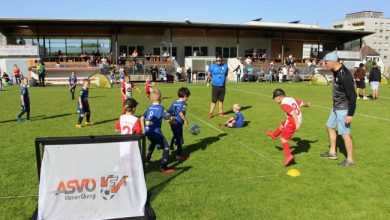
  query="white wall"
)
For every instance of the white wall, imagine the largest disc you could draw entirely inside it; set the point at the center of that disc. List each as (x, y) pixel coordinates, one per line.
(7, 65)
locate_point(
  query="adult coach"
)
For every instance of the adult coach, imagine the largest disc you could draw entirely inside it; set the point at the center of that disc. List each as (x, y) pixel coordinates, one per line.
(344, 105)
(374, 79)
(217, 74)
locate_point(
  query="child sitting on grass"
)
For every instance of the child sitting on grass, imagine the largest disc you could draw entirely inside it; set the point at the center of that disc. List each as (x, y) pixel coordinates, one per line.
(237, 121)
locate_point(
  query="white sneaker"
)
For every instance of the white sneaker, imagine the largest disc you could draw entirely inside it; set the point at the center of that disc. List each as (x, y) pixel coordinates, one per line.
(365, 98)
(358, 97)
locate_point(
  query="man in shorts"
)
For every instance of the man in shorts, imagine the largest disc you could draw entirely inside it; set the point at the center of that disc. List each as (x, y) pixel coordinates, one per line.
(344, 105)
(217, 73)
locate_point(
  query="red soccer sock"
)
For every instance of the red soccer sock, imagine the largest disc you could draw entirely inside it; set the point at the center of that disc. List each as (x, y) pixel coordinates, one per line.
(286, 149)
(277, 132)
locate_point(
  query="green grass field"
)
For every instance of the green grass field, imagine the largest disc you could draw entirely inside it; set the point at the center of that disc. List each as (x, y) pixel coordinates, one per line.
(231, 173)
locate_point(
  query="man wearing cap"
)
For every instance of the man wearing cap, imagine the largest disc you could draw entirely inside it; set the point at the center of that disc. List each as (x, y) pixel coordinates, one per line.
(344, 105)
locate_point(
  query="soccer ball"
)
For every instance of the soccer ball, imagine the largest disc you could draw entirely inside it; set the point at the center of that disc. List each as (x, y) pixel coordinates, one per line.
(194, 129)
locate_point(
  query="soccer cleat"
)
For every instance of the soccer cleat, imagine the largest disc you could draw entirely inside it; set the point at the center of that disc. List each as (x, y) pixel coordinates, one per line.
(346, 163)
(221, 115)
(270, 134)
(89, 123)
(182, 158)
(288, 160)
(165, 170)
(28, 120)
(329, 156)
(78, 126)
(18, 119)
(211, 115)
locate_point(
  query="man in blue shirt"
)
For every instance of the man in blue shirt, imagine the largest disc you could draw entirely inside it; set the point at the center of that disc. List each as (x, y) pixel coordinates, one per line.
(217, 73)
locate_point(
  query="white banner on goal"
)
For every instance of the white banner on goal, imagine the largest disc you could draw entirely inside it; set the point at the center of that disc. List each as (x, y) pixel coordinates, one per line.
(92, 181)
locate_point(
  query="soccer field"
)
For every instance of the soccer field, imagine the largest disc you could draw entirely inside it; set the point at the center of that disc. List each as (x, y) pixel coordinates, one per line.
(231, 173)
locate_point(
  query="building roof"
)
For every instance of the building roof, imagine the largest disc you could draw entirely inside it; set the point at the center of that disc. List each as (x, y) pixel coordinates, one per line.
(368, 51)
(36, 25)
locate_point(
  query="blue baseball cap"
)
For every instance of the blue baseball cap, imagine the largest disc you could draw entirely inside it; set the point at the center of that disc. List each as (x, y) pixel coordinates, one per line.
(332, 56)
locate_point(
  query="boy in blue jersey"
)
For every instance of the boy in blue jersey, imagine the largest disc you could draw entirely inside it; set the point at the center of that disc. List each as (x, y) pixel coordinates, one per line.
(72, 84)
(237, 121)
(151, 125)
(178, 112)
(83, 105)
(24, 101)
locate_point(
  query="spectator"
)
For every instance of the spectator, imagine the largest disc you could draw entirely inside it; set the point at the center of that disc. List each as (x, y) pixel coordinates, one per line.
(248, 61)
(163, 74)
(360, 75)
(41, 73)
(238, 71)
(154, 72)
(374, 79)
(178, 73)
(17, 74)
(22, 41)
(189, 75)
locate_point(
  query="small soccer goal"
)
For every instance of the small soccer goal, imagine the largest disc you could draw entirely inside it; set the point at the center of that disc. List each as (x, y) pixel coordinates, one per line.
(384, 80)
(318, 80)
(98, 80)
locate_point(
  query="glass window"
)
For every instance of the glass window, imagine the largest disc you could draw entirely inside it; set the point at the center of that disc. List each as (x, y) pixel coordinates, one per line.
(90, 45)
(73, 46)
(57, 46)
(226, 52)
(131, 50)
(122, 50)
(204, 51)
(156, 51)
(174, 51)
(104, 45)
(218, 51)
(47, 47)
(187, 51)
(233, 51)
(140, 50)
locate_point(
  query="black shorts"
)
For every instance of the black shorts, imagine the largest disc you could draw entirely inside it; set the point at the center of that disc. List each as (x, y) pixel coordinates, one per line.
(218, 94)
(360, 84)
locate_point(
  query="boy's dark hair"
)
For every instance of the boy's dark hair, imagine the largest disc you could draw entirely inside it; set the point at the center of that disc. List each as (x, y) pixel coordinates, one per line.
(130, 104)
(361, 65)
(183, 91)
(218, 56)
(278, 92)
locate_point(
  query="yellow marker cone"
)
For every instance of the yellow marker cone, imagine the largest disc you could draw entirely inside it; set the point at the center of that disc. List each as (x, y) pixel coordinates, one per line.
(293, 173)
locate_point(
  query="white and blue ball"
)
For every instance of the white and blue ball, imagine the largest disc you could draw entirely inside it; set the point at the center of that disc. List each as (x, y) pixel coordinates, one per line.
(194, 129)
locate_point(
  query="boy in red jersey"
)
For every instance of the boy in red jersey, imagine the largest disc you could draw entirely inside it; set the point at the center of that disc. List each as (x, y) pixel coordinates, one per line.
(148, 85)
(287, 128)
(126, 91)
(128, 123)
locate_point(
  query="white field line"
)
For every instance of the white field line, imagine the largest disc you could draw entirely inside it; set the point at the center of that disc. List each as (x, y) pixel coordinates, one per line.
(239, 142)
(224, 180)
(318, 106)
(17, 197)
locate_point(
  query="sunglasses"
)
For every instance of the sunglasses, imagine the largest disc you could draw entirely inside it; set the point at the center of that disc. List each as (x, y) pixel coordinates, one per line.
(218, 60)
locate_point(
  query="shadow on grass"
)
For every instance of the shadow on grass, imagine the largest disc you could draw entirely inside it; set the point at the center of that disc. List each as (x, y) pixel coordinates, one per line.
(105, 121)
(301, 146)
(166, 97)
(340, 145)
(42, 117)
(158, 187)
(243, 108)
(14, 120)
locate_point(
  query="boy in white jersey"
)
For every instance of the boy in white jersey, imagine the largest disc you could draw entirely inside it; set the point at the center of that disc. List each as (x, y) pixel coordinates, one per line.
(287, 128)
(128, 123)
